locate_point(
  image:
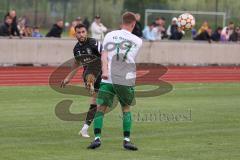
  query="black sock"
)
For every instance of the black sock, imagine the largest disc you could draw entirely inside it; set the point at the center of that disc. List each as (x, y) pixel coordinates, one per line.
(91, 113)
(126, 134)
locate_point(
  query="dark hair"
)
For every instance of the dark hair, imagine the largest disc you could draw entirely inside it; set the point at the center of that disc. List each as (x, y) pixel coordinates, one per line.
(162, 18)
(219, 28)
(97, 17)
(152, 24)
(230, 23)
(36, 27)
(128, 18)
(80, 26)
(8, 17)
(59, 19)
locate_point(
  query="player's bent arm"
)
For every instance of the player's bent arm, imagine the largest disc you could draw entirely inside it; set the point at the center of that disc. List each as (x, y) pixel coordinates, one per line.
(74, 70)
(104, 59)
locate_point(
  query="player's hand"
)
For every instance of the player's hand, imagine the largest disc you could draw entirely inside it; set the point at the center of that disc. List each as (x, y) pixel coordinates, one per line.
(64, 83)
(105, 76)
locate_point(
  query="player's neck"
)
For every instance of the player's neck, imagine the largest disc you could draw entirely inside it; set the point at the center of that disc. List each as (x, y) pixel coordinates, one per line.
(128, 28)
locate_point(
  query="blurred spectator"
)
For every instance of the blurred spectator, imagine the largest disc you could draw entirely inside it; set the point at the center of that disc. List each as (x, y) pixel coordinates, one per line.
(98, 29)
(14, 28)
(36, 33)
(5, 28)
(176, 33)
(27, 31)
(203, 28)
(149, 33)
(56, 30)
(160, 28)
(225, 35)
(235, 36)
(205, 35)
(137, 30)
(216, 36)
(194, 33)
(169, 27)
(21, 25)
(227, 31)
(78, 20)
(71, 32)
(86, 23)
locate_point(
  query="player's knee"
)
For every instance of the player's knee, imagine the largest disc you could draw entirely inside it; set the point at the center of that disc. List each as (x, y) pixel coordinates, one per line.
(126, 109)
(101, 109)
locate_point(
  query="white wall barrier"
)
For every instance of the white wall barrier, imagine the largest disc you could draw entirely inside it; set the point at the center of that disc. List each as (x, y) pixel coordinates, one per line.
(56, 51)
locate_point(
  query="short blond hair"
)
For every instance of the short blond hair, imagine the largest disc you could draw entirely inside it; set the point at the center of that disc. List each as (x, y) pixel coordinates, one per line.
(128, 18)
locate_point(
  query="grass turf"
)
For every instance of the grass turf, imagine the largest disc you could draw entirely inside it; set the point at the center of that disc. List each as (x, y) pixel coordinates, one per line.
(198, 121)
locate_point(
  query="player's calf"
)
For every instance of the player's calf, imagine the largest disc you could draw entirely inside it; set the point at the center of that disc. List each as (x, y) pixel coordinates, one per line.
(90, 80)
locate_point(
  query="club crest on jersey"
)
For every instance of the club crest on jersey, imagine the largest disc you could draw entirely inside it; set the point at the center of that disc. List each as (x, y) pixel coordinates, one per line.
(89, 51)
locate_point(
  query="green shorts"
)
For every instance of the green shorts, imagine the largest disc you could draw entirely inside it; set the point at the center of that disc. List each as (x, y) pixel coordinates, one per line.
(107, 92)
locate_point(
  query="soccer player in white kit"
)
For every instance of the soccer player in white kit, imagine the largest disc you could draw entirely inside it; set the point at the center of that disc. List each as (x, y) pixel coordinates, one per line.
(118, 77)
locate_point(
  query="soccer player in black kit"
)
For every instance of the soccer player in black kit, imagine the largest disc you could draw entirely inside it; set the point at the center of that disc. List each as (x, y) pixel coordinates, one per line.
(87, 53)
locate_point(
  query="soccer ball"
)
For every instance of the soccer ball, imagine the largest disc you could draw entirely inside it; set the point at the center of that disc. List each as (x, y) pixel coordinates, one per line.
(186, 21)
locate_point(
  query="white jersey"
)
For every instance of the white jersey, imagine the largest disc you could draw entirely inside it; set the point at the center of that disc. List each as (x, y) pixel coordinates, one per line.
(122, 47)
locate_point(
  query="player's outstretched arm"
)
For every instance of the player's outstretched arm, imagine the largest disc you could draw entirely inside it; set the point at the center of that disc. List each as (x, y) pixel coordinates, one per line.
(104, 59)
(74, 70)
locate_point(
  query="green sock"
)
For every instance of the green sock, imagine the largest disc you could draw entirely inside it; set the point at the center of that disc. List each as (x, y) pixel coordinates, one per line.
(98, 123)
(127, 123)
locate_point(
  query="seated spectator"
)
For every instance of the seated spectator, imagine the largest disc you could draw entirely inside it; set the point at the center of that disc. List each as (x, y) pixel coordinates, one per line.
(27, 31)
(203, 28)
(225, 35)
(160, 28)
(227, 31)
(5, 28)
(238, 31)
(235, 36)
(216, 36)
(149, 33)
(56, 30)
(71, 32)
(194, 33)
(36, 33)
(14, 28)
(176, 32)
(79, 20)
(21, 26)
(169, 27)
(205, 35)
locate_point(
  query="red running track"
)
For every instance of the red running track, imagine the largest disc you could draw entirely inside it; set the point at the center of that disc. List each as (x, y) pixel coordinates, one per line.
(31, 76)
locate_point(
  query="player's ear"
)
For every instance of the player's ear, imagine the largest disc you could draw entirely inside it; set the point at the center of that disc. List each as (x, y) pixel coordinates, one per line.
(133, 24)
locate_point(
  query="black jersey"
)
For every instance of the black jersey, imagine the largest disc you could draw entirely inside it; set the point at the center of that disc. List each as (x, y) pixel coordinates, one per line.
(87, 51)
(88, 54)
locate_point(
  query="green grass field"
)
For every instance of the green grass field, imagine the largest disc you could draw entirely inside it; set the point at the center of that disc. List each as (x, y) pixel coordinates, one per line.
(29, 129)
